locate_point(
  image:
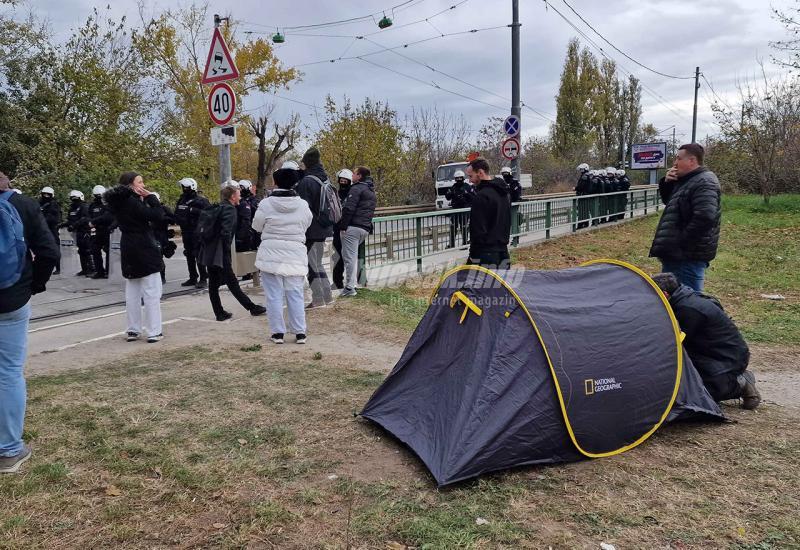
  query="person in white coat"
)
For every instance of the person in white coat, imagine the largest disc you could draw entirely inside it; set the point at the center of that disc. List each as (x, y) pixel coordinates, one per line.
(282, 220)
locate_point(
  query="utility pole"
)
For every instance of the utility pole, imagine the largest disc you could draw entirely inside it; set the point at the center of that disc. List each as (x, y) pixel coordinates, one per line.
(622, 106)
(674, 145)
(516, 107)
(694, 116)
(224, 154)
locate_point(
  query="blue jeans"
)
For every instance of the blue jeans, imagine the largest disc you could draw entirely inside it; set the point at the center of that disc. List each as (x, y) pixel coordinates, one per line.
(13, 348)
(689, 273)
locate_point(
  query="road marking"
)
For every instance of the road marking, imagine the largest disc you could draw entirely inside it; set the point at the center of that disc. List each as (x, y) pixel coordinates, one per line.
(76, 321)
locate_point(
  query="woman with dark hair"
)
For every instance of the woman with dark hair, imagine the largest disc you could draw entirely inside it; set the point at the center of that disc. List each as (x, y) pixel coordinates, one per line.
(135, 209)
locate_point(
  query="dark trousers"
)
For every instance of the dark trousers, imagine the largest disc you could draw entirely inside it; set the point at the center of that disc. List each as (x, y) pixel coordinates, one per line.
(338, 267)
(100, 245)
(490, 259)
(723, 386)
(218, 276)
(190, 251)
(84, 241)
(54, 231)
(317, 276)
(459, 229)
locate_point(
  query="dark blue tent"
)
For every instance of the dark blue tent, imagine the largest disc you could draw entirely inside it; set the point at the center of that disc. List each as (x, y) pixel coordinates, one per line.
(520, 367)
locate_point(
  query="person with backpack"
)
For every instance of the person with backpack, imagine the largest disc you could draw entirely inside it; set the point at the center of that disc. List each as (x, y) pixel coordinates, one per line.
(28, 254)
(215, 233)
(51, 210)
(356, 224)
(136, 210)
(317, 191)
(187, 213)
(282, 219)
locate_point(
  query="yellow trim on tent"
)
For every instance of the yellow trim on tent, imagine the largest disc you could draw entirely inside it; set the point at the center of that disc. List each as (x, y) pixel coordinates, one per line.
(550, 362)
(459, 296)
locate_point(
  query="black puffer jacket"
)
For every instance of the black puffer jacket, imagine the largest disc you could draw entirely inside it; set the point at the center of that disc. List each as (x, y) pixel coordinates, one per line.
(359, 206)
(712, 341)
(460, 195)
(490, 218)
(309, 190)
(689, 227)
(140, 251)
(51, 211)
(217, 251)
(584, 185)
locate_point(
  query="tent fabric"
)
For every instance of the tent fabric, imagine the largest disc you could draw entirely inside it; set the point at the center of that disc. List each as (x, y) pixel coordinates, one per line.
(520, 367)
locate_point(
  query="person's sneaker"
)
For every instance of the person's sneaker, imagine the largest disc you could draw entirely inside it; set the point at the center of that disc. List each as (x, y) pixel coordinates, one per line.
(80, 273)
(347, 292)
(314, 305)
(155, 338)
(90, 275)
(189, 282)
(99, 275)
(334, 286)
(300, 338)
(277, 338)
(247, 277)
(751, 398)
(132, 336)
(224, 316)
(10, 464)
(202, 283)
(258, 310)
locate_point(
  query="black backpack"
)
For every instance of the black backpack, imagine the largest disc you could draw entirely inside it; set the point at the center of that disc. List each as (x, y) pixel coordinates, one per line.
(208, 223)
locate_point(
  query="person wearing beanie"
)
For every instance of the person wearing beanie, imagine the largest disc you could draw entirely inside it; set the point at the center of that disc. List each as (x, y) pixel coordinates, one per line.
(283, 220)
(310, 190)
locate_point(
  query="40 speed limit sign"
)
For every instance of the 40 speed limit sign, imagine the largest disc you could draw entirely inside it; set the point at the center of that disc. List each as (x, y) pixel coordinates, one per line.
(221, 104)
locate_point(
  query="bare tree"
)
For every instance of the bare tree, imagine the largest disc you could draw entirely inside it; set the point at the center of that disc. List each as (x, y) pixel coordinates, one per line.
(282, 141)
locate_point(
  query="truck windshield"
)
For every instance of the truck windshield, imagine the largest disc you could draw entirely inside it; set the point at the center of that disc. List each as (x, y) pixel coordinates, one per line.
(445, 173)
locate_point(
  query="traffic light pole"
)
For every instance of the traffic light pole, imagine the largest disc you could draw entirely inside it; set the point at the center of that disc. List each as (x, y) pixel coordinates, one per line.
(516, 107)
(224, 151)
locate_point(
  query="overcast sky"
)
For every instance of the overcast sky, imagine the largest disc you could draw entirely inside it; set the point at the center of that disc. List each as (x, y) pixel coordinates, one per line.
(726, 38)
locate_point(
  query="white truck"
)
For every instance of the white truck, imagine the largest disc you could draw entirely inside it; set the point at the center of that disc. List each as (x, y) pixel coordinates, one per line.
(445, 180)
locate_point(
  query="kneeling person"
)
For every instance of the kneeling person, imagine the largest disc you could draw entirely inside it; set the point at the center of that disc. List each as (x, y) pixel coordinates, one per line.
(714, 344)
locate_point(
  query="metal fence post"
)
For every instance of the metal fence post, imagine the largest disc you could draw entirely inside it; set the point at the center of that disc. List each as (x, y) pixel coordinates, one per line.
(573, 216)
(630, 202)
(645, 201)
(548, 218)
(419, 244)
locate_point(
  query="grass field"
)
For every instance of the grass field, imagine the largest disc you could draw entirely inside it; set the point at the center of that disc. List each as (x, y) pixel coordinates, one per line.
(244, 447)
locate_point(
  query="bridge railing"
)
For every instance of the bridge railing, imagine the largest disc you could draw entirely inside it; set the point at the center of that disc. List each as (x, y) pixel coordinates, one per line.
(413, 237)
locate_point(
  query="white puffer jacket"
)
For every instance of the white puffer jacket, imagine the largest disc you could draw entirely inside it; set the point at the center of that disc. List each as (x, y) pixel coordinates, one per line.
(282, 219)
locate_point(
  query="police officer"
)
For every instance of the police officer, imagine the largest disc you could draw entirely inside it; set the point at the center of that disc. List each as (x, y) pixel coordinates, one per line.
(51, 210)
(187, 214)
(101, 221)
(612, 186)
(244, 216)
(78, 223)
(596, 187)
(249, 195)
(460, 195)
(583, 187)
(624, 185)
(513, 184)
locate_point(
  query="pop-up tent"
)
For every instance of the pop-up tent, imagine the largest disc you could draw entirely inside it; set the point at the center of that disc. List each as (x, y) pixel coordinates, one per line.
(517, 367)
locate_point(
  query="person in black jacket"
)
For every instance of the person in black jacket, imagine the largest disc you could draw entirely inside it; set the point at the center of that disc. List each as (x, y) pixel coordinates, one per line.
(310, 190)
(41, 257)
(248, 189)
(460, 195)
(490, 218)
(687, 235)
(514, 187)
(187, 213)
(583, 187)
(356, 224)
(136, 210)
(215, 254)
(164, 234)
(622, 200)
(714, 344)
(100, 224)
(51, 210)
(78, 222)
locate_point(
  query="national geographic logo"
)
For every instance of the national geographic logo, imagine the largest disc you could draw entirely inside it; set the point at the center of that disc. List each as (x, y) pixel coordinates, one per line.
(600, 385)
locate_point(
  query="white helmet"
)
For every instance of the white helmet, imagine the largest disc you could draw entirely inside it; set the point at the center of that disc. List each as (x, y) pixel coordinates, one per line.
(17, 191)
(505, 170)
(620, 172)
(583, 167)
(75, 194)
(47, 190)
(344, 173)
(245, 184)
(231, 183)
(290, 165)
(98, 190)
(156, 195)
(459, 174)
(611, 170)
(188, 182)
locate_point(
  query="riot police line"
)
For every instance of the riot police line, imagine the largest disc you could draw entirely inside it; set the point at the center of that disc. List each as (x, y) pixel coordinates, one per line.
(607, 202)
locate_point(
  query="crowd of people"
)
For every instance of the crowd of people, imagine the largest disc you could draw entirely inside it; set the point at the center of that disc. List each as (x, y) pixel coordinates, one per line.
(601, 209)
(289, 227)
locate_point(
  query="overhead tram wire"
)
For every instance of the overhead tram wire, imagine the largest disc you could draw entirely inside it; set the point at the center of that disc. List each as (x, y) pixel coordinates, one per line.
(642, 65)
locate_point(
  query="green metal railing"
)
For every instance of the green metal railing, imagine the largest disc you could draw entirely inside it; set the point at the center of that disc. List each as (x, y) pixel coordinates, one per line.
(413, 237)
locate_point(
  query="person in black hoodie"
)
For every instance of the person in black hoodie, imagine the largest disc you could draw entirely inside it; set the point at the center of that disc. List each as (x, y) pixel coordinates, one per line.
(310, 190)
(714, 344)
(490, 218)
(78, 222)
(41, 255)
(51, 210)
(356, 224)
(136, 210)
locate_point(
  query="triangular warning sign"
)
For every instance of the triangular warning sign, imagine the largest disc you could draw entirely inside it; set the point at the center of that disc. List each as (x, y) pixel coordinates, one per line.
(220, 65)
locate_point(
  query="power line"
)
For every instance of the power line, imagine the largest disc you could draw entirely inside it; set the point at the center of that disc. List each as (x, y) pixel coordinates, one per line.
(713, 91)
(620, 51)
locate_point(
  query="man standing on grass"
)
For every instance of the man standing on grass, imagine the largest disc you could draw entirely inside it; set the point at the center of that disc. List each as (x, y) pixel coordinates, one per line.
(490, 218)
(687, 235)
(27, 260)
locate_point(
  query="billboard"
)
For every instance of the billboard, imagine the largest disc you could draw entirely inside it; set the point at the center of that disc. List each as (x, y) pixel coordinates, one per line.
(648, 156)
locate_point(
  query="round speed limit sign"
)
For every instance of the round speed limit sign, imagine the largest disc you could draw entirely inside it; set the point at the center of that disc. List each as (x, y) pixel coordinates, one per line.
(221, 104)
